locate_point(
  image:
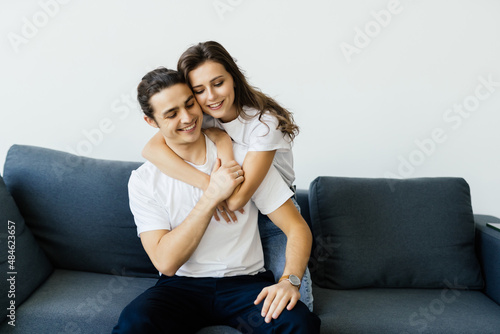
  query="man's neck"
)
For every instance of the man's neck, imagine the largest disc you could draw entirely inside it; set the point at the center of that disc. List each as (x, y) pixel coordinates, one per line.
(194, 153)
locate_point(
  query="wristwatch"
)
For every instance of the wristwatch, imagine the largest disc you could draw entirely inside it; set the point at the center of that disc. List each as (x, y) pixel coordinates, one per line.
(294, 280)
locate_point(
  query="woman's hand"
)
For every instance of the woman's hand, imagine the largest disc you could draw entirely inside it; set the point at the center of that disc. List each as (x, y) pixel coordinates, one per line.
(228, 215)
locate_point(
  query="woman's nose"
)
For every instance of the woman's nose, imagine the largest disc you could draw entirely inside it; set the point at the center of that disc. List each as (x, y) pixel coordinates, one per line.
(211, 94)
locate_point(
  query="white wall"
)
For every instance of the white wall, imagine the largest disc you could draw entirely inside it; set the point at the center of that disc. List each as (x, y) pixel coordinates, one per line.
(367, 106)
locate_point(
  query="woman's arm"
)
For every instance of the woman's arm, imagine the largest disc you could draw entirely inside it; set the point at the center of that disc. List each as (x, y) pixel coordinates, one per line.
(255, 166)
(162, 156)
(223, 142)
(225, 152)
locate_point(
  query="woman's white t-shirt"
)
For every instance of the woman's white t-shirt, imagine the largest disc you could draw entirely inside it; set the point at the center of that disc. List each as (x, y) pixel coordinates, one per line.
(259, 135)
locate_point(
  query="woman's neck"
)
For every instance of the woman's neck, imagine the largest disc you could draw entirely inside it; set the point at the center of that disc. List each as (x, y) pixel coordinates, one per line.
(233, 114)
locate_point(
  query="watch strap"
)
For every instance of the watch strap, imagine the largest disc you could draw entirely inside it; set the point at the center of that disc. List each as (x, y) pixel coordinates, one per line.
(287, 277)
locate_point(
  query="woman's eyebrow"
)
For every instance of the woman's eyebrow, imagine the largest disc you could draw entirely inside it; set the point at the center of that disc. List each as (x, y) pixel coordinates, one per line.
(220, 76)
(217, 77)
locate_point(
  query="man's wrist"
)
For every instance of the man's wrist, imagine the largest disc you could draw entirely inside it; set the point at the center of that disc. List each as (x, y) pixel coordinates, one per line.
(209, 200)
(206, 182)
(292, 279)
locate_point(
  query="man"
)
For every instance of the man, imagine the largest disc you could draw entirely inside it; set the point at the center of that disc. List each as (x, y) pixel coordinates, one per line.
(212, 272)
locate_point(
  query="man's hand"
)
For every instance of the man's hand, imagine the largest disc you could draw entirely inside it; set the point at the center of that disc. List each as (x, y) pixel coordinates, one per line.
(277, 297)
(223, 180)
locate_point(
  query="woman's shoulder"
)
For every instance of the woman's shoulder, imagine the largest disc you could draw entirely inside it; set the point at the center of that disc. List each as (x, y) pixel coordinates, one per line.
(251, 114)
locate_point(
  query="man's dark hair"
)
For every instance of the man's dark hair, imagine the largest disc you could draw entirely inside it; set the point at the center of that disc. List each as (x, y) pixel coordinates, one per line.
(154, 82)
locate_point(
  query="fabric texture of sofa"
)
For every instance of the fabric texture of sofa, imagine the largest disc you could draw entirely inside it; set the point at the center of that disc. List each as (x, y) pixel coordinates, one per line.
(389, 256)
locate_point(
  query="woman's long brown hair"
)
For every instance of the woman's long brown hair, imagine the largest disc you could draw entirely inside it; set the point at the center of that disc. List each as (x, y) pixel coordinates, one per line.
(245, 94)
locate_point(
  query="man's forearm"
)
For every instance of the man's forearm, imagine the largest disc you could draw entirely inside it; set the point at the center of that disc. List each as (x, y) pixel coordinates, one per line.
(176, 247)
(299, 238)
(298, 250)
(278, 296)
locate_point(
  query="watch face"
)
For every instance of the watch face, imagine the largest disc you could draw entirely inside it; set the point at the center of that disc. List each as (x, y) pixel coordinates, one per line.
(294, 280)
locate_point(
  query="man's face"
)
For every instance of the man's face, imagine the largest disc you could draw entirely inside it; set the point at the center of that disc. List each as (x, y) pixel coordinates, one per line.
(176, 114)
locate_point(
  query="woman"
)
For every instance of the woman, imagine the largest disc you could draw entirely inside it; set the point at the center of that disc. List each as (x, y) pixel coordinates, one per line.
(251, 118)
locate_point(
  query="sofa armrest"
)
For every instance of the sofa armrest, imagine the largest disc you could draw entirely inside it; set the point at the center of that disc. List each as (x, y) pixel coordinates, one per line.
(488, 250)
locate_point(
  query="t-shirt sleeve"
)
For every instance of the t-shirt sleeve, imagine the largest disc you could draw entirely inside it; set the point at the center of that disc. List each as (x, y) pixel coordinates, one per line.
(149, 215)
(265, 136)
(272, 192)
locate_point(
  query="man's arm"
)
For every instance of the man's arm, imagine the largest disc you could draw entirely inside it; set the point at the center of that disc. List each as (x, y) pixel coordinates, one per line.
(298, 248)
(169, 250)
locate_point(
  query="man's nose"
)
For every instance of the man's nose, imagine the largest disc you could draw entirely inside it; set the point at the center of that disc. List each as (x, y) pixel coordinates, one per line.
(186, 116)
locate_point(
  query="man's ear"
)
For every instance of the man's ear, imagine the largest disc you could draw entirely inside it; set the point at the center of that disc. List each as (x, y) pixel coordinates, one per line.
(151, 121)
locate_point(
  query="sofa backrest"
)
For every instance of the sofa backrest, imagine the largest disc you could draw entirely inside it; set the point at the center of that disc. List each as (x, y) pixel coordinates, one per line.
(77, 209)
(391, 233)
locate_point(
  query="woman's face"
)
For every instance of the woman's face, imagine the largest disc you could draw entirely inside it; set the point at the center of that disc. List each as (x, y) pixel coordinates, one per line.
(213, 88)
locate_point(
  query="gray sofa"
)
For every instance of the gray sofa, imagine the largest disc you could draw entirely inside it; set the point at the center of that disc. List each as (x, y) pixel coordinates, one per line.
(389, 256)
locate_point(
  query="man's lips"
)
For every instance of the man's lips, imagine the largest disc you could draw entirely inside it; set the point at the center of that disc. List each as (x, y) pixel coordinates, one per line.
(189, 128)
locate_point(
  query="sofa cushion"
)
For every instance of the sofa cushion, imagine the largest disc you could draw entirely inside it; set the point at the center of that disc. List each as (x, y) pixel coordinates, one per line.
(410, 311)
(78, 302)
(78, 210)
(393, 233)
(94, 307)
(23, 264)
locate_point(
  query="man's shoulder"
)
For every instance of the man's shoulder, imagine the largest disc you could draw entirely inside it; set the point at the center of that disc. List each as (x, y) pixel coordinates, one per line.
(146, 173)
(147, 168)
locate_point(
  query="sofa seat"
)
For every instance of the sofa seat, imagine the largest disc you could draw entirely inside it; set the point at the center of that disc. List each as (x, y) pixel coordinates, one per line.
(383, 310)
(76, 302)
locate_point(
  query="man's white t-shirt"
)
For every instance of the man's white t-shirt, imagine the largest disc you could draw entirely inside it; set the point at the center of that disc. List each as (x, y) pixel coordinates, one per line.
(259, 135)
(160, 202)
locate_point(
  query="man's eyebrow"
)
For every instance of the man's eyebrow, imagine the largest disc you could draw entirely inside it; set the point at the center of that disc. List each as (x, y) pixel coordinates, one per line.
(169, 111)
(218, 77)
(189, 99)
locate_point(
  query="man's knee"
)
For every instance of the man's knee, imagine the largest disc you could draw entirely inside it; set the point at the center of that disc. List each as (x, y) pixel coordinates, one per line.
(131, 320)
(142, 316)
(298, 320)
